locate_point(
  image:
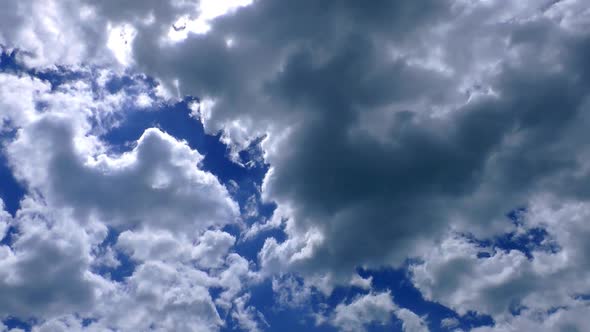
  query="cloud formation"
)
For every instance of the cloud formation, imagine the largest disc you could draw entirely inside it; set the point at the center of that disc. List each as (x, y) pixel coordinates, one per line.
(397, 133)
(165, 211)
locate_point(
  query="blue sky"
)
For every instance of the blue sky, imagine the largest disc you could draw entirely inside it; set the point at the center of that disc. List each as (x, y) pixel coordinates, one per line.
(198, 167)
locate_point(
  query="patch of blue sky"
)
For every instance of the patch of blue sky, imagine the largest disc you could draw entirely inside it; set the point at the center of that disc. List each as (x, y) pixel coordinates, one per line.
(8, 60)
(175, 119)
(55, 76)
(15, 323)
(407, 296)
(243, 182)
(11, 191)
(280, 317)
(525, 240)
(126, 265)
(396, 281)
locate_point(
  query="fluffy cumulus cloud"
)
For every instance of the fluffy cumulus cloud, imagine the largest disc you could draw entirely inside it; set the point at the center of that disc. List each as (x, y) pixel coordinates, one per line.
(397, 134)
(374, 309)
(367, 309)
(158, 182)
(164, 210)
(45, 271)
(546, 290)
(411, 322)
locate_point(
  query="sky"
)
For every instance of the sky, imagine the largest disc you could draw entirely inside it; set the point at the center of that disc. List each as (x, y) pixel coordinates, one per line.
(268, 165)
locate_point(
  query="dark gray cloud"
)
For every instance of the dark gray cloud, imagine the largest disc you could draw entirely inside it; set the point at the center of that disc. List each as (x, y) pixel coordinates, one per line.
(266, 35)
(375, 197)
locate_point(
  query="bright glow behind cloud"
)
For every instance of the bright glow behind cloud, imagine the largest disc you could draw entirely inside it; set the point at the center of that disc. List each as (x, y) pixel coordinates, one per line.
(120, 42)
(208, 11)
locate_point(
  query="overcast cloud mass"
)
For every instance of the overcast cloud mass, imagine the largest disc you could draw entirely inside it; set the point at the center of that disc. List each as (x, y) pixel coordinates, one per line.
(267, 165)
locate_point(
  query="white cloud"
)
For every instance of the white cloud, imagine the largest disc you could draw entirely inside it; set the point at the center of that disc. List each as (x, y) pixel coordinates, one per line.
(45, 270)
(358, 281)
(144, 101)
(65, 323)
(158, 183)
(290, 292)
(248, 318)
(212, 247)
(27, 99)
(574, 318)
(58, 152)
(5, 219)
(77, 189)
(544, 288)
(17, 99)
(169, 291)
(206, 251)
(373, 308)
(119, 42)
(43, 31)
(170, 297)
(233, 278)
(208, 10)
(449, 322)
(370, 308)
(48, 270)
(453, 275)
(411, 322)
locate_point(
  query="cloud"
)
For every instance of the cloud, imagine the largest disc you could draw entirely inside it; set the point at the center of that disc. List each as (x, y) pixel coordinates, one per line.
(209, 252)
(423, 125)
(45, 270)
(464, 169)
(5, 220)
(374, 308)
(48, 275)
(158, 183)
(168, 298)
(449, 323)
(387, 126)
(370, 308)
(455, 276)
(289, 292)
(165, 213)
(380, 142)
(168, 290)
(248, 318)
(411, 322)
(541, 291)
(18, 99)
(42, 29)
(58, 151)
(212, 247)
(574, 318)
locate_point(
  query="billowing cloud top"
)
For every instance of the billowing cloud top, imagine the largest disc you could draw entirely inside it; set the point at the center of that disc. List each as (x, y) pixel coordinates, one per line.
(179, 165)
